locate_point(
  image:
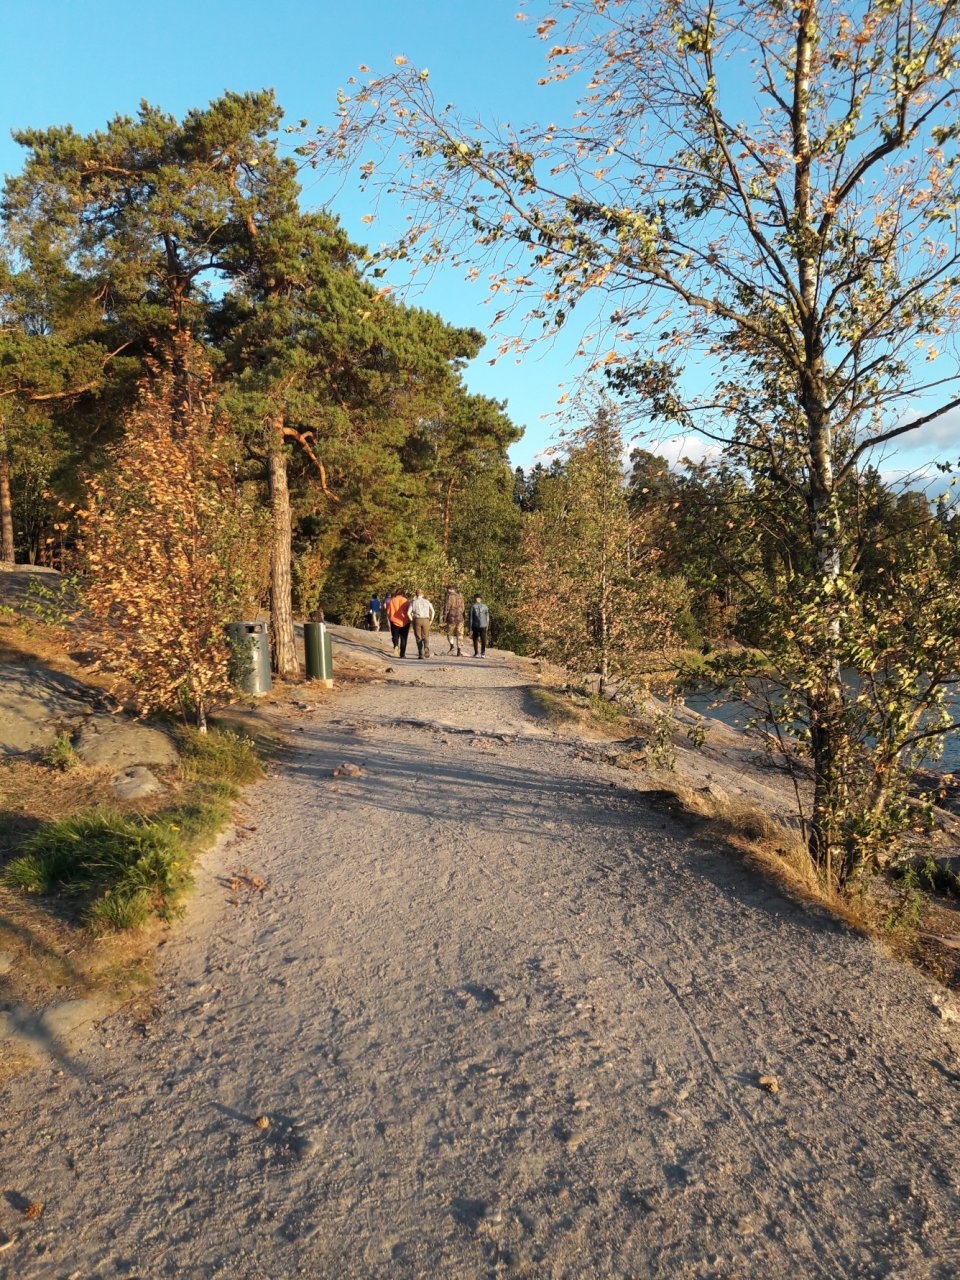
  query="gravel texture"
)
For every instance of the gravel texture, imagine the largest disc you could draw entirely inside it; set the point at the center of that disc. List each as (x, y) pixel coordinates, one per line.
(480, 1008)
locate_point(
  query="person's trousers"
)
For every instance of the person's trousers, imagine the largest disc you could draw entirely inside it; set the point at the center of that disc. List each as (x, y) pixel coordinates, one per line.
(421, 631)
(399, 637)
(455, 634)
(479, 640)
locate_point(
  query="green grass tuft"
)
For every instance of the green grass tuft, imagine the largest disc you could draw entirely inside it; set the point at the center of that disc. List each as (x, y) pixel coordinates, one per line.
(124, 868)
(115, 912)
(219, 756)
(61, 754)
(30, 874)
(135, 866)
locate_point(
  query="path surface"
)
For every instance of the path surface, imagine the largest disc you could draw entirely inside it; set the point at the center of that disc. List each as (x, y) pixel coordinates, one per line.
(505, 1018)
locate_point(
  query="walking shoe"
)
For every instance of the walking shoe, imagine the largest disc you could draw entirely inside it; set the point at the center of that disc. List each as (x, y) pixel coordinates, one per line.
(459, 654)
(395, 650)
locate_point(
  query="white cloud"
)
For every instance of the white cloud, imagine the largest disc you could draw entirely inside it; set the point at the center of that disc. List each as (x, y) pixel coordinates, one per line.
(676, 448)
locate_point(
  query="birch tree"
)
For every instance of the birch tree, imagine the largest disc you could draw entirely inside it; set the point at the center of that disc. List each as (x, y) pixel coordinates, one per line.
(761, 199)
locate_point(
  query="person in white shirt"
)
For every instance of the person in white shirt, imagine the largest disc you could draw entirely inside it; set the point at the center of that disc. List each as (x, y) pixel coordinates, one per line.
(422, 614)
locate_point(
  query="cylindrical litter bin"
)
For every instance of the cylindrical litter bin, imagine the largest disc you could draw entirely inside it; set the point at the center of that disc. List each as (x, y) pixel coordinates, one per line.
(318, 653)
(251, 644)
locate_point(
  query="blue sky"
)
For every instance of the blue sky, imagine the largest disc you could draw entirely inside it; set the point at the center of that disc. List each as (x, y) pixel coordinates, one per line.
(82, 61)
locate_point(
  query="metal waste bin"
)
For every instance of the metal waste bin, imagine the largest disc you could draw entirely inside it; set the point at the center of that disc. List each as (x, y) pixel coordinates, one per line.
(251, 645)
(318, 653)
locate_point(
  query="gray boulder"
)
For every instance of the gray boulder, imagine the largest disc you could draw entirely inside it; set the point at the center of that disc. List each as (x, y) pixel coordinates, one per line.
(116, 742)
(37, 703)
(135, 783)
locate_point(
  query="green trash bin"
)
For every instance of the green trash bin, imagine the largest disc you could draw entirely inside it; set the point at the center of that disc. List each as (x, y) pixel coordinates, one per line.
(251, 642)
(318, 653)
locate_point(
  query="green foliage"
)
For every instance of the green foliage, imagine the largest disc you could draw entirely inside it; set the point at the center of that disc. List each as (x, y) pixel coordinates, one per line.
(592, 597)
(927, 875)
(697, 734)
(663, 755)
(220, 755)
(604, 709)
(133, 864)
(122, 869)
(118, 910)
(53, 603)
(61, 754)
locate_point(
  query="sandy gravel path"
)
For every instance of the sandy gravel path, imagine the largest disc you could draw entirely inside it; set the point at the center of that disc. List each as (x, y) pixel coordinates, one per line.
(505, 1018)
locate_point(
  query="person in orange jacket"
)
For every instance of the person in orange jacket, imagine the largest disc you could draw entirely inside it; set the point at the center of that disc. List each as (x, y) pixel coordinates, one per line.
(398, 615)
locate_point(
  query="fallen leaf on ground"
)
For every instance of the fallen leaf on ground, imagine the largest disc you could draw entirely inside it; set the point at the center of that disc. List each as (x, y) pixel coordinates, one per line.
(770, 1083)
(33, 1210)
(244, 879)
(262, 1122)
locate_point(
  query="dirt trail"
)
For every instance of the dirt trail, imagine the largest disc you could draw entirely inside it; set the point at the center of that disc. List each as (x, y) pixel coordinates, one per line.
(505, 1018)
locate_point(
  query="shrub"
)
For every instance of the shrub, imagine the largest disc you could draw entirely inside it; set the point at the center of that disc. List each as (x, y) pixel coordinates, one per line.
(61, 754)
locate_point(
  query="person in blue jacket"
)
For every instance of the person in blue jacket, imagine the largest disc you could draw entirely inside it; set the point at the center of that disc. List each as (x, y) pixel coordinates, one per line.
(479, 622)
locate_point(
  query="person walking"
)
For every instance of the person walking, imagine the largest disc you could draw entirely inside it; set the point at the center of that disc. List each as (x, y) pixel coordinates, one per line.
(479, 622)
(373, 612)
(422, 613)
(398, 615)
(452, 618)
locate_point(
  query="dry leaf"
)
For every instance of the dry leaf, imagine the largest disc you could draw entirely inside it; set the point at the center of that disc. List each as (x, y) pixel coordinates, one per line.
(33, 1210)
(770, 1083)
(262, 1122)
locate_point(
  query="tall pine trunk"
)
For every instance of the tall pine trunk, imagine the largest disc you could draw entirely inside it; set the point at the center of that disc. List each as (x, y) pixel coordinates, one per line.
(281, 588)
(6, 501)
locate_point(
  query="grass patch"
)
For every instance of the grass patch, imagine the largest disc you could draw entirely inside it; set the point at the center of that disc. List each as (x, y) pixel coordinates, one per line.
(555, 707)
(122, 868)
(112, 870)
(222, 755)
(605, 711)
(588, 713)
(61, 755)
(780, 854)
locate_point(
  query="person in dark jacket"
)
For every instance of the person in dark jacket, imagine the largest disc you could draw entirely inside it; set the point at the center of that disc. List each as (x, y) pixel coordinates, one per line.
(479, 622)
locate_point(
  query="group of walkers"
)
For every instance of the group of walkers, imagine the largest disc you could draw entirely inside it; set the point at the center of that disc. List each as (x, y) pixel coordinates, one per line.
(403, 613)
